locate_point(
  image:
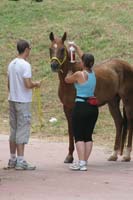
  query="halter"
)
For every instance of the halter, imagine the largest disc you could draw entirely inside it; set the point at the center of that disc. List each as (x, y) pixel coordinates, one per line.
(57, 59)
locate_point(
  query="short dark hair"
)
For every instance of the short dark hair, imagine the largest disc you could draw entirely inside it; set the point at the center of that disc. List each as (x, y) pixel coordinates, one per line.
(88, 60)
(22, 45)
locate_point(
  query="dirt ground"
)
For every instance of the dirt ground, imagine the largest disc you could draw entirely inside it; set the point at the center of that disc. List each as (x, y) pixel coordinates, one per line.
(53, 180)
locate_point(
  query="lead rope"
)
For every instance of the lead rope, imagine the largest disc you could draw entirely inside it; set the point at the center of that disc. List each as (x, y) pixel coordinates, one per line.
(36, 98)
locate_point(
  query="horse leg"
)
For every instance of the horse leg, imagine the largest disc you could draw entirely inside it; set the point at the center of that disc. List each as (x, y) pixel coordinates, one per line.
(68, 113)
(127, 101)
(127, 153)
(114, 108)
(124, 132)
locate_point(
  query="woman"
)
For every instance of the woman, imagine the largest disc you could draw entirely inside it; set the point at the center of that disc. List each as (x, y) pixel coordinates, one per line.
(84, 113)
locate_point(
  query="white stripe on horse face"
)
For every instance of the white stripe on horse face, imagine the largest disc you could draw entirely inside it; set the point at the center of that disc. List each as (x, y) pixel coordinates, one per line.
(55, 45)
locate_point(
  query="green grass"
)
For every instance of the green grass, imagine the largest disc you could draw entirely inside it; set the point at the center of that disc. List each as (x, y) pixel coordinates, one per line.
(102, 27)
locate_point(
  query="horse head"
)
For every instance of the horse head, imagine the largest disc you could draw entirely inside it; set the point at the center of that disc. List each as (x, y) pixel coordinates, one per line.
(58, 51)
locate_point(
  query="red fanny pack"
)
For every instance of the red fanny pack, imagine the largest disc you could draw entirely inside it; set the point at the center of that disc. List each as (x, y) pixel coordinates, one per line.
(92, 101)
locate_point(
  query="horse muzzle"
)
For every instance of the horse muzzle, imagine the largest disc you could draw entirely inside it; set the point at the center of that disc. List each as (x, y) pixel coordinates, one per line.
(54, 66)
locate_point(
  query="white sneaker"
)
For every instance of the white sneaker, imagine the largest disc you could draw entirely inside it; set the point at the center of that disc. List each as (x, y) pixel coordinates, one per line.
(83, 168)
(11, 164)
(77, 167)
(24, 166)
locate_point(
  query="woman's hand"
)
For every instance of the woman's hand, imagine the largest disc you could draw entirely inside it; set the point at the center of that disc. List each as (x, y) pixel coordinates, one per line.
(77, 49)
(69, 73)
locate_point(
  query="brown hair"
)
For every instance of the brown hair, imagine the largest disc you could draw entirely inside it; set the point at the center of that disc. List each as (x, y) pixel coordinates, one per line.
(88, 60)
(22, 45)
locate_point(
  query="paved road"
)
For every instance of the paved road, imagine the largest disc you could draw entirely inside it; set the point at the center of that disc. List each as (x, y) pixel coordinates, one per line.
(53, 180)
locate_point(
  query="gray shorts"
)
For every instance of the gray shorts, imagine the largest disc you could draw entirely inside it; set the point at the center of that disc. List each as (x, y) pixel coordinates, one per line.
(20, 122)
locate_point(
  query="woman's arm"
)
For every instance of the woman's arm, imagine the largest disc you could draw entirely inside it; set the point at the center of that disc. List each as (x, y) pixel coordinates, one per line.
(79, 51)
(72, 78)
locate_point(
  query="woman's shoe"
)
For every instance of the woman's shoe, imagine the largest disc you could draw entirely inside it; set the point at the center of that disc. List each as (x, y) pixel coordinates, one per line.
(77, 167)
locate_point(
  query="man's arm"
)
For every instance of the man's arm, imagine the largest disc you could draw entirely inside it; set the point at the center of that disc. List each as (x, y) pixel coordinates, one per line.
(30, 84)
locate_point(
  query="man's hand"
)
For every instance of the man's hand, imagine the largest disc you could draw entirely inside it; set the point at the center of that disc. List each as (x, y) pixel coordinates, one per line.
(31, 84)
(38, 84)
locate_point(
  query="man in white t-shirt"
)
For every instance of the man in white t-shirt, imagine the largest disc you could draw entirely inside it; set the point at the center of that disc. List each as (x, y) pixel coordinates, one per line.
(20, 87)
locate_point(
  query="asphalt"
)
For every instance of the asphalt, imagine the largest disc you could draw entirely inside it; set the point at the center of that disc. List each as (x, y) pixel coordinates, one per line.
(53, 180)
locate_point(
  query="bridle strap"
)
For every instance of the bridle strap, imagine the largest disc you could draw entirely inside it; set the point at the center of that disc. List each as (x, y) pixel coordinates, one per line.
(57, 59)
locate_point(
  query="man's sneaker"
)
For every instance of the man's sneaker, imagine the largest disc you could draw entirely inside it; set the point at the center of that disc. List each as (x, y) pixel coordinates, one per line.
(11, 164)
(24, 166)
(76, 166)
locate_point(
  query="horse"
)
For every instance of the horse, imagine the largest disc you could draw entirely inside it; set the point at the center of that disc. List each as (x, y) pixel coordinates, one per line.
(114, 83)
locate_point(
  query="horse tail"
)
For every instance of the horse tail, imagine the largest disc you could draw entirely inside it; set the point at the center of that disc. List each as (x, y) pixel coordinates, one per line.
(124, 132)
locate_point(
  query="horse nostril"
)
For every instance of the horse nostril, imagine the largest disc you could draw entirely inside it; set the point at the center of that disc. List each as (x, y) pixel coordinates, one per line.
(54, 66)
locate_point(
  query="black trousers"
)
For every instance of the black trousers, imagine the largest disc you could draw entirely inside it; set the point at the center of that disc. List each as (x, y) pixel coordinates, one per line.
(84, 118)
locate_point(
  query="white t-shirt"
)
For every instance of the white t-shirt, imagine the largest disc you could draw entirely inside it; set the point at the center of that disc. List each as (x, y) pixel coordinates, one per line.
(19, 69)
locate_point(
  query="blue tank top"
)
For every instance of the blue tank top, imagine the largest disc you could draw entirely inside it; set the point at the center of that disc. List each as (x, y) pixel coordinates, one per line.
(87, 88)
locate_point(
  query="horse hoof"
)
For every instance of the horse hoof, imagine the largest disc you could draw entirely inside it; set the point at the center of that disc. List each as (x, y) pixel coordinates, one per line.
(112, 158)
(126, 159)
(68, 159)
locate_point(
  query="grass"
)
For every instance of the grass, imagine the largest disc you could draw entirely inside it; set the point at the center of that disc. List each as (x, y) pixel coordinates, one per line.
(101, 27)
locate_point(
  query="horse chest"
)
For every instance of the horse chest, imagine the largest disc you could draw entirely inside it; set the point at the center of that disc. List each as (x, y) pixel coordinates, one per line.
(66, 94)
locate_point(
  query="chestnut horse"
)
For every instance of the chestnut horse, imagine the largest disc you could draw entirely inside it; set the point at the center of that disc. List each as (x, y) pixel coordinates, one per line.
(114, 83)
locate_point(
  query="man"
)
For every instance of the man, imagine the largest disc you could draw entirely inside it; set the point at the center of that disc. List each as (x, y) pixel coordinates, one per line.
(20, 87)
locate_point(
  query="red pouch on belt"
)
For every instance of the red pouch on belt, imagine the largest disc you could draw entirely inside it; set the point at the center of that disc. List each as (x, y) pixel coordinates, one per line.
(92, 101)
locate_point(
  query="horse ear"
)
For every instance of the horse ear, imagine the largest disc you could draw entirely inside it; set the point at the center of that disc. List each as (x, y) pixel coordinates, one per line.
(64, 37)
(51, 36)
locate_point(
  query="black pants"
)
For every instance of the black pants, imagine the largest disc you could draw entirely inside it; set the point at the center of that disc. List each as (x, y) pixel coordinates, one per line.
(84, 118)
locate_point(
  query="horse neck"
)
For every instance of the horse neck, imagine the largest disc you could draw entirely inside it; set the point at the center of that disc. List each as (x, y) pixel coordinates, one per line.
(64, 70)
